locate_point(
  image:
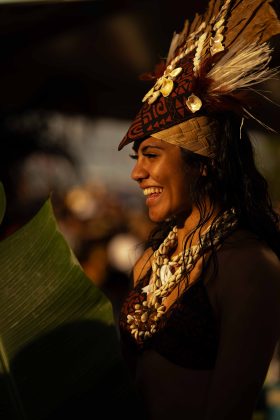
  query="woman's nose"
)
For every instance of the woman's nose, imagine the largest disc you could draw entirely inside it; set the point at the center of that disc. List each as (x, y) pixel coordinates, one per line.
(138, 172)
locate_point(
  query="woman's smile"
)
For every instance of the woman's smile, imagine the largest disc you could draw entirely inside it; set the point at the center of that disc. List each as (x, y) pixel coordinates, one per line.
(152, 194)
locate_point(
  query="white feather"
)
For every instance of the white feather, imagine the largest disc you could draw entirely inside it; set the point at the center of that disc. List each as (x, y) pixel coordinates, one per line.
(241, 67)
(259, 121)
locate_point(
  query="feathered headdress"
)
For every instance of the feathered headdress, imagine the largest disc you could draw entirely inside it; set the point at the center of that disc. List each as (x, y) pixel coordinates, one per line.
(210, 68)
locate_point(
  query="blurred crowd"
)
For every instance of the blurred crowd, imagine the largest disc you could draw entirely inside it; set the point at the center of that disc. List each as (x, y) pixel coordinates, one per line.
(106, 234)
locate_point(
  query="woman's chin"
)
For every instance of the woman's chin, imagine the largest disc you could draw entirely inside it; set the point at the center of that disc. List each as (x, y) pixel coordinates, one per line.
(157, 218)
(180, 216)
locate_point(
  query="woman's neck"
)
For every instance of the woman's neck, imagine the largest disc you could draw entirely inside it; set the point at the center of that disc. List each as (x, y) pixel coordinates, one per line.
(189, 225)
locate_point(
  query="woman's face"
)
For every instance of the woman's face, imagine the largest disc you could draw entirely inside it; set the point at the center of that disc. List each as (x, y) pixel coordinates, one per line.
(164, 178)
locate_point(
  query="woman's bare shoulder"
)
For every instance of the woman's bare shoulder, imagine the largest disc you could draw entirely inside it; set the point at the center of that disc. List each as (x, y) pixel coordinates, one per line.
(248, 297)
(142, 265)
(244, 253)
(248, 268)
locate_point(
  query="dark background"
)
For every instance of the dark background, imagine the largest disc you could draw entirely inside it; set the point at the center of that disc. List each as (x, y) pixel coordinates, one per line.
(85, 56)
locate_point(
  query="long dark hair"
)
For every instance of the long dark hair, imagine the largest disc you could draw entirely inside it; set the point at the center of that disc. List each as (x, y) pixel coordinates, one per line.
(232, 180)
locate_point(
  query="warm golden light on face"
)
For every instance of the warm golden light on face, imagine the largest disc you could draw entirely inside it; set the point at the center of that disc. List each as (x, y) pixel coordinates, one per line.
(161, 172)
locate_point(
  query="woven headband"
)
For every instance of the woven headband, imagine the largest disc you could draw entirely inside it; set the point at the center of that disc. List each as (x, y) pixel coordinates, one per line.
(196, 135)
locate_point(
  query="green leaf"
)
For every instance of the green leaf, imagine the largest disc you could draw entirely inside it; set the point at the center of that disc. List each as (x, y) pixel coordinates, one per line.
(2, 202)
(59, 348)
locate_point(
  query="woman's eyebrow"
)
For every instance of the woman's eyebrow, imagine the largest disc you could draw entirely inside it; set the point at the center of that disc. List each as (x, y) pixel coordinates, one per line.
(150, 146)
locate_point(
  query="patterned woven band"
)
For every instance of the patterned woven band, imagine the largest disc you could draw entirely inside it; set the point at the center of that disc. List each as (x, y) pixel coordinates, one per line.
(196, 135)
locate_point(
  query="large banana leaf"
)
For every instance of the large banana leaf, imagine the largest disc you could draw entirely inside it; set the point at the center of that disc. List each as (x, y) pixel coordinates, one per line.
(59, 348)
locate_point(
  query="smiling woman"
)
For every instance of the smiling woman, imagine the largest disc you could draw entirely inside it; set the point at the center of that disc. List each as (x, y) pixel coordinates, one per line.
(202, 320)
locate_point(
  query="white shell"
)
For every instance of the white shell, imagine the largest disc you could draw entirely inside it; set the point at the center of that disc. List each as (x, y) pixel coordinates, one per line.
(153, 97)
(158, 283)
(220, 30)
(219, 24)
(194, 103)
(146, 289)
(165, 273)
(129, 318)
(167, 87)
(218, 38)
(144, 317)
(174, 73)
(159, 83)
(148, 94)
(217, 47)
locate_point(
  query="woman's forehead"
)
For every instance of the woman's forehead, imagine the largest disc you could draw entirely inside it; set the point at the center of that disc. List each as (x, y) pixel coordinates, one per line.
(150, 142)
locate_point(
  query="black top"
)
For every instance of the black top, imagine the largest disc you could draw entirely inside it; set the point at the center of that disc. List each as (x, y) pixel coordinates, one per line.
(187, 332)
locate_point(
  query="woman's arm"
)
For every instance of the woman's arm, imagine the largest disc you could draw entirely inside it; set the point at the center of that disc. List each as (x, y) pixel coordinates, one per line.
(248, 292)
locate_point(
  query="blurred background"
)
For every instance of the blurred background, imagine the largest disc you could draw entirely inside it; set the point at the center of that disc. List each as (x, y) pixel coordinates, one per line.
(69, 89)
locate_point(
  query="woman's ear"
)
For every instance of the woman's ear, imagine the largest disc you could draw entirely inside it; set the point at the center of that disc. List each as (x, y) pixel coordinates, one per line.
(207, 167)
(203, 170)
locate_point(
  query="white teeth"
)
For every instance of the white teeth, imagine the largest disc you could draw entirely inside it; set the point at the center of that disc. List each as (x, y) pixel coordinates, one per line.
(152, 190)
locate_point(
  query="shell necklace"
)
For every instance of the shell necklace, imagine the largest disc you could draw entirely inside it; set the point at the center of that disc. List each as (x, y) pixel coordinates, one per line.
(168, 272)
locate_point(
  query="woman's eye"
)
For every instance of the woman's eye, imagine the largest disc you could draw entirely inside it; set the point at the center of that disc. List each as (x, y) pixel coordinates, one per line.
(150, 155)
(135, 157)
